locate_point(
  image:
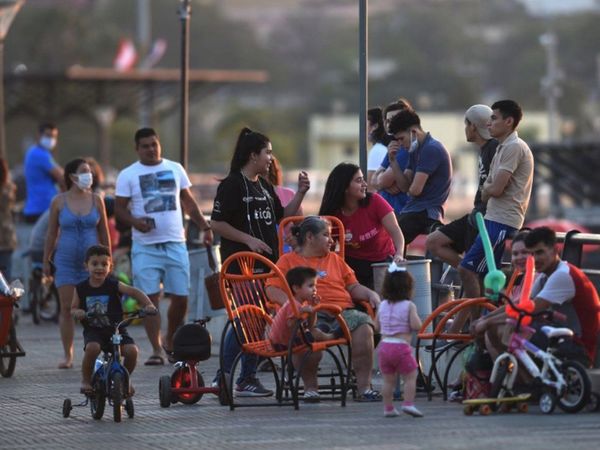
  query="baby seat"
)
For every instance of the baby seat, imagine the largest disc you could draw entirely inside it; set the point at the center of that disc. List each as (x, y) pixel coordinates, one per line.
(192, 342)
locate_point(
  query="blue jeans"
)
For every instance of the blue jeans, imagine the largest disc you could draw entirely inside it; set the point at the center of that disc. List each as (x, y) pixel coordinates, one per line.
(231, 348)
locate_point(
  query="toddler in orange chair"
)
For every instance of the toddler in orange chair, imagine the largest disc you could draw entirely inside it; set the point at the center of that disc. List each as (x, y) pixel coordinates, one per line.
(397, 319)
(303, 284)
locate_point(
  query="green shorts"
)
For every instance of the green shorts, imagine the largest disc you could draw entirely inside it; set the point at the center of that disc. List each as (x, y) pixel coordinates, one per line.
(353, 317)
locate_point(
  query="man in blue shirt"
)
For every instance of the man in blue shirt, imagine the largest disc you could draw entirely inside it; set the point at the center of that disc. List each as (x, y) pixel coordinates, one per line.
(42, 173)
(426, 179)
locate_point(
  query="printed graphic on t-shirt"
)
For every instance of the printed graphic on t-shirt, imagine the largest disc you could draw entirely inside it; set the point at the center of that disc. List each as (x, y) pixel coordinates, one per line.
(159, 191)
(98, 304)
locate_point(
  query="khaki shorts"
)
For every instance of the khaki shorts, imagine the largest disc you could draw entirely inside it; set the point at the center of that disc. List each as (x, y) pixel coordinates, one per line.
(353, 317)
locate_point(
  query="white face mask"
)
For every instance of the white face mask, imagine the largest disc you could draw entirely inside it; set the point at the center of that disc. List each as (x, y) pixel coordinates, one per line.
(414, 143)
(84, 181)
(48, 142)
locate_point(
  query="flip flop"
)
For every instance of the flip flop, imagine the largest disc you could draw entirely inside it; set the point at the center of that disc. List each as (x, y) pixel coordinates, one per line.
(170, 355)
(155, 360)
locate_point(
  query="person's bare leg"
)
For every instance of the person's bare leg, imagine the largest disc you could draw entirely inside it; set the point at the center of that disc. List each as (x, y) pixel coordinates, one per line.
(66, 324)
(471, 286)
(362, 356)
(309, 370)
(440, 245)
(92, 350)
(130, 354)
(410, 387)
(471, 289)
(387, 392)
(152, 326)
(175, 317)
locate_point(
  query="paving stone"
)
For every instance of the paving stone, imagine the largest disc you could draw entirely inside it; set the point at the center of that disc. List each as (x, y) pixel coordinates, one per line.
(31, 415)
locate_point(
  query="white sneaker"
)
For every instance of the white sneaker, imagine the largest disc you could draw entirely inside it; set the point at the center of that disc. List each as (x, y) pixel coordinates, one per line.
(412, 411)
(393, 413)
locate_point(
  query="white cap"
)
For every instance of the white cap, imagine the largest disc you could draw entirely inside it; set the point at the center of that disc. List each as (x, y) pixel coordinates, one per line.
(479, 115)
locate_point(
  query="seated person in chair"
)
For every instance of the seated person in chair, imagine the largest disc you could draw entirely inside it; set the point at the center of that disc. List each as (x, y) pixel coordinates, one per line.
(337, 285)
(303, 284)
(560, 286)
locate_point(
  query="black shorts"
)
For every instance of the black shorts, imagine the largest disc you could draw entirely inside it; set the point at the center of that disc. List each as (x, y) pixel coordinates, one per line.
(461, 232)
(103, 337)
(413, 224)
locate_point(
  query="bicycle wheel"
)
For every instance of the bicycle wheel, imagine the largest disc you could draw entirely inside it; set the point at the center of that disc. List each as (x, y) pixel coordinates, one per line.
(577, 393)
(129, 408)
(49, 306)
(97, 399)
(8, 363)
(116, 393)
(36, 293)
(181, 378)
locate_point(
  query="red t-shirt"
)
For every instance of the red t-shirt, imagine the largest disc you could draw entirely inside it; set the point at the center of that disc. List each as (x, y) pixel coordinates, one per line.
(280, 332)
(333, 276)
(366, 237)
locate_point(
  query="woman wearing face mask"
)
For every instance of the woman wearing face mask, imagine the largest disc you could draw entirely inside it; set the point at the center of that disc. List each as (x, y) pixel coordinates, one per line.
(77, 221)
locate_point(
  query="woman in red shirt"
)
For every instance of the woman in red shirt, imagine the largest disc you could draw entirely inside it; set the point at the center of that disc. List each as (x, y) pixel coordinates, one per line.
(372, 231)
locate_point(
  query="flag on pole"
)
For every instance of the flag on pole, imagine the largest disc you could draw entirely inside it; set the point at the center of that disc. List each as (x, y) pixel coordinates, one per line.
(126, 56)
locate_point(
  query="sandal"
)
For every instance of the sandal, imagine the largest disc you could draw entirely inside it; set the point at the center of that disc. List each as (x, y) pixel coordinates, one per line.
(86, 390)
(311, 397)
(155, 360)
(369, 395)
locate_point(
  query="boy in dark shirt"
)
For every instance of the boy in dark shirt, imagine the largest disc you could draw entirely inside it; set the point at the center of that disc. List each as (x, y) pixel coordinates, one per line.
(102, 293)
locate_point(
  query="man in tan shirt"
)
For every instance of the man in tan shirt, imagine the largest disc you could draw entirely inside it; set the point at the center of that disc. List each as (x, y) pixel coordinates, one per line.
(506, 190)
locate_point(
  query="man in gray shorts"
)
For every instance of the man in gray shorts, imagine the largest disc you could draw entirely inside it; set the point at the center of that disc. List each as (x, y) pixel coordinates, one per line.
(157, 189)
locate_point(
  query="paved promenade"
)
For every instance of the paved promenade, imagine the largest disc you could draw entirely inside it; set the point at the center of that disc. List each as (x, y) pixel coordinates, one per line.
(31, 402)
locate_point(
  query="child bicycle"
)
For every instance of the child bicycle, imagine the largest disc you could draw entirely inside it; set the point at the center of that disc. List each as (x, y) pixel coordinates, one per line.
(562, 382)
(43, 296)
(110, 379)
(10, 348)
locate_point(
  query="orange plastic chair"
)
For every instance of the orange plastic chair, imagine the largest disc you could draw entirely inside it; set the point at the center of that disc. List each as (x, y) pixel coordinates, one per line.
(337, 232)
(246, 302)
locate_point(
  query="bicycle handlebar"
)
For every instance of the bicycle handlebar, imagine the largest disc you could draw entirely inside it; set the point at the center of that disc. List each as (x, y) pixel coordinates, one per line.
(548, 314)
(128, 317)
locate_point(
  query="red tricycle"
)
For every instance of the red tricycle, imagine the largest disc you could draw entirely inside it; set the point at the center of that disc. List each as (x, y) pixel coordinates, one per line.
(10, 348)
(191, 344)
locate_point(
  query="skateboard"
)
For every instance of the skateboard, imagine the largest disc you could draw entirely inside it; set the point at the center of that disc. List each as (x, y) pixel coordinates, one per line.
(485, 406)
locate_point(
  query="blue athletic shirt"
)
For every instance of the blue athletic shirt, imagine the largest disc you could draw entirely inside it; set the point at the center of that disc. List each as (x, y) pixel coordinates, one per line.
(432, 158)
(396, 201)
(41, 186)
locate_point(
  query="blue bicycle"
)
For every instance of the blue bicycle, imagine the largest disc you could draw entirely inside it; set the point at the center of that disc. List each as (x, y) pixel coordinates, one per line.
(110, 379)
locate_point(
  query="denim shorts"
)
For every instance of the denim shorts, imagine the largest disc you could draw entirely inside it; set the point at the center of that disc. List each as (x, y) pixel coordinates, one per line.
(168, 263)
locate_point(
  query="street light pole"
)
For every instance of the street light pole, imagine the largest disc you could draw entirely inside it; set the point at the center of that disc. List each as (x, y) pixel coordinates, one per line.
(8, 11)
(550, 87)
(185, 12)
(363, 50)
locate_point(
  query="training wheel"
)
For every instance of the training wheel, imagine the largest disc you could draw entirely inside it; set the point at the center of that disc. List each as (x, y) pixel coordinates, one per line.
(468, 410)
(594, 403)
(485, 410)
(67, 407)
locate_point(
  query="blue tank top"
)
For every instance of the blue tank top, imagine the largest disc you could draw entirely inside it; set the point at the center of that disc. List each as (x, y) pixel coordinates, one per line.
(77, 234)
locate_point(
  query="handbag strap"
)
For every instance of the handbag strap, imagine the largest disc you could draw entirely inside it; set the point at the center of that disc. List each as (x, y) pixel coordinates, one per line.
(211, 259)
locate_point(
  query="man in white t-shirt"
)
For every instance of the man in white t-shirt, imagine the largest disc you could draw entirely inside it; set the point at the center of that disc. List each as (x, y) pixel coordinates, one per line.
(149, 196)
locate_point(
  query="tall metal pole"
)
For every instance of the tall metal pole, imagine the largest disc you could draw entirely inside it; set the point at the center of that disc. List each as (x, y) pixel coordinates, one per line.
(363, 50)
(144, 38)
(550, 84)
(185, 12)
